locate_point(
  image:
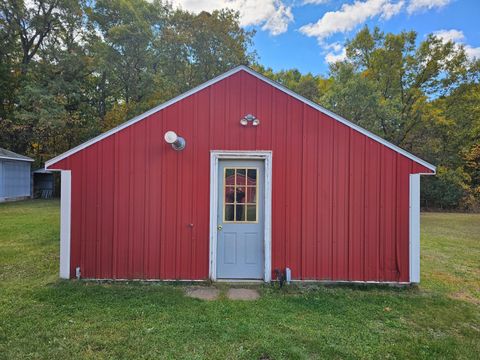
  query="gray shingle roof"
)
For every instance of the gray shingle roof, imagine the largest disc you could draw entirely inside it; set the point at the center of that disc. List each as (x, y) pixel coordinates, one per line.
(7, 154)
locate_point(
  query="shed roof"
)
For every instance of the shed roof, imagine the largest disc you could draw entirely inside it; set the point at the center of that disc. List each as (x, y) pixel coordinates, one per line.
(42, 171)
(10, 155)
(261, 77)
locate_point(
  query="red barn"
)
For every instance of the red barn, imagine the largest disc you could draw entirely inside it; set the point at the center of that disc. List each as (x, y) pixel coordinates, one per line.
(236, 178)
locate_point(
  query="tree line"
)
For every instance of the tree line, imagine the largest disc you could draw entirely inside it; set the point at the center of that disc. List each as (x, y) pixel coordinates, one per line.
(71, 69)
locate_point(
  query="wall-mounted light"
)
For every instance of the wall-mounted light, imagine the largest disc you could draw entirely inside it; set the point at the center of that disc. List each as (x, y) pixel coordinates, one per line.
(249, 118)
(178, 143)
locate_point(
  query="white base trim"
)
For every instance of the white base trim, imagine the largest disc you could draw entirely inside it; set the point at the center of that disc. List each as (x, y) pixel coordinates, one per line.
(240, 281)
(215, 156)
(351, 282)
(65, 219)
(234, 282)
(414, 243)
(15, 198)
(111, 280)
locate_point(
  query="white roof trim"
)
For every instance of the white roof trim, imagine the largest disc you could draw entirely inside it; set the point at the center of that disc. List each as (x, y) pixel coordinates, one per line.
(219, 78)
(17, 159)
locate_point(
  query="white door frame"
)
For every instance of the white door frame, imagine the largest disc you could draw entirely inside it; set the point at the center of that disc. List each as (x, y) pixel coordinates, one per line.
(215, 156)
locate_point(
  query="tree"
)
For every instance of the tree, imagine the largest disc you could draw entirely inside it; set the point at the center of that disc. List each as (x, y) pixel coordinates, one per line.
(192, 48)
(32, 22)
(386, 83)
(72, 68)
(422, 97)
(308, 85)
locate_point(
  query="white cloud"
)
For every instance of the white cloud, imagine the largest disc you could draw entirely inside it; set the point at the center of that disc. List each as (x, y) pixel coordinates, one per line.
(336, 46)
(335, 52)
(333, 58)
(350, 16)
(314, 2)
(391, 9)
(278, 22)
(450, 35)
(422, 5)
(457, 37)
(273, 15)
(472, 53)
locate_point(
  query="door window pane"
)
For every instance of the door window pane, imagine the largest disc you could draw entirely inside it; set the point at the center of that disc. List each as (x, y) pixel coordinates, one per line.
(240, 195)
(229, 212)
(229, 176)
(240, 213)
(251, 213)
(229, 194)
(251, 195)
(251, 176)
(241, 176)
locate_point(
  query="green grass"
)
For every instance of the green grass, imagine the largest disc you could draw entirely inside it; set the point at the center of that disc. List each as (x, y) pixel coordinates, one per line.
(42, 317)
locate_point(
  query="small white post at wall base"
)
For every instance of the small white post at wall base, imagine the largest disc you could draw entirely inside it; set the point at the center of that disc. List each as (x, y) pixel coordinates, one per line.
(415, 228)
(65, 216)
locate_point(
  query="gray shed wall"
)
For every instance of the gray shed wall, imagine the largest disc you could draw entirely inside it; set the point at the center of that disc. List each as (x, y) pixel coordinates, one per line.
(15, 179)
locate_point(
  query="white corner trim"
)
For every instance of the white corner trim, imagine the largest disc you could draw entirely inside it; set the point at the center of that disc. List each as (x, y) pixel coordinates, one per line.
(261, 77)
(414, 228)
(65, 219)
(215, 156)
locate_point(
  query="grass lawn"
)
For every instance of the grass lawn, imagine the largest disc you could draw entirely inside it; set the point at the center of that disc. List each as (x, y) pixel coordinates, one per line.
(45, 318)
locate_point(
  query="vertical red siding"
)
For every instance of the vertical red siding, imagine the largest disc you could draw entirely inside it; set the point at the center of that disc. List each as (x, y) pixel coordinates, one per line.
(340, 200)
(279, 173)
(356, 207)
(341, 139)
(309, 177)
(372, 209)
(123, 200)
(105, 231)
(325, 198)
(293, 191)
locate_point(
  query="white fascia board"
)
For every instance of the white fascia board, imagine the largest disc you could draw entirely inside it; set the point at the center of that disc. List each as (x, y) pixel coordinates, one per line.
(16, 159)
(261, 77)
(140, 117)
(342, 120)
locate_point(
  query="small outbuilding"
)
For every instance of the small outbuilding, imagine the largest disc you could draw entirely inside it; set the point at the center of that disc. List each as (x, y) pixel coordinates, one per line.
(43, 184)
(234, 179)
(15, 178)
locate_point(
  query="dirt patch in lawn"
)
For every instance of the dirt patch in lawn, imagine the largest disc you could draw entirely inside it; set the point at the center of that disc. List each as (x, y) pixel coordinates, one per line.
(465, 296)
(203, 293)
(242, 294)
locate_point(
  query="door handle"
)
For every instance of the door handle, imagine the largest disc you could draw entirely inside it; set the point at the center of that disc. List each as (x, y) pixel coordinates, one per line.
(219, 227)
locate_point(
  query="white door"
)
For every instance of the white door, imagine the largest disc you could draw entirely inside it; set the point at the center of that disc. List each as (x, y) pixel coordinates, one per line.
(240, 243)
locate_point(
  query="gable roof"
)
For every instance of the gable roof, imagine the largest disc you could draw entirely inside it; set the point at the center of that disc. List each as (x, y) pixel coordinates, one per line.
(226, 75)
(10, 155)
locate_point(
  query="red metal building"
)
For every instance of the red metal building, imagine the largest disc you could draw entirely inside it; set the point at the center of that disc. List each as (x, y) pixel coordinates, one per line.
(333, 201)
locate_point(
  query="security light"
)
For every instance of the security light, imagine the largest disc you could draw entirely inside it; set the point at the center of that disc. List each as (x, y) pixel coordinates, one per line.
(249, 118)
(178, 143)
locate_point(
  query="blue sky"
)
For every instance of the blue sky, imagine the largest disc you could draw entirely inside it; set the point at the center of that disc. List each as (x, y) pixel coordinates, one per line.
(307, 34)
